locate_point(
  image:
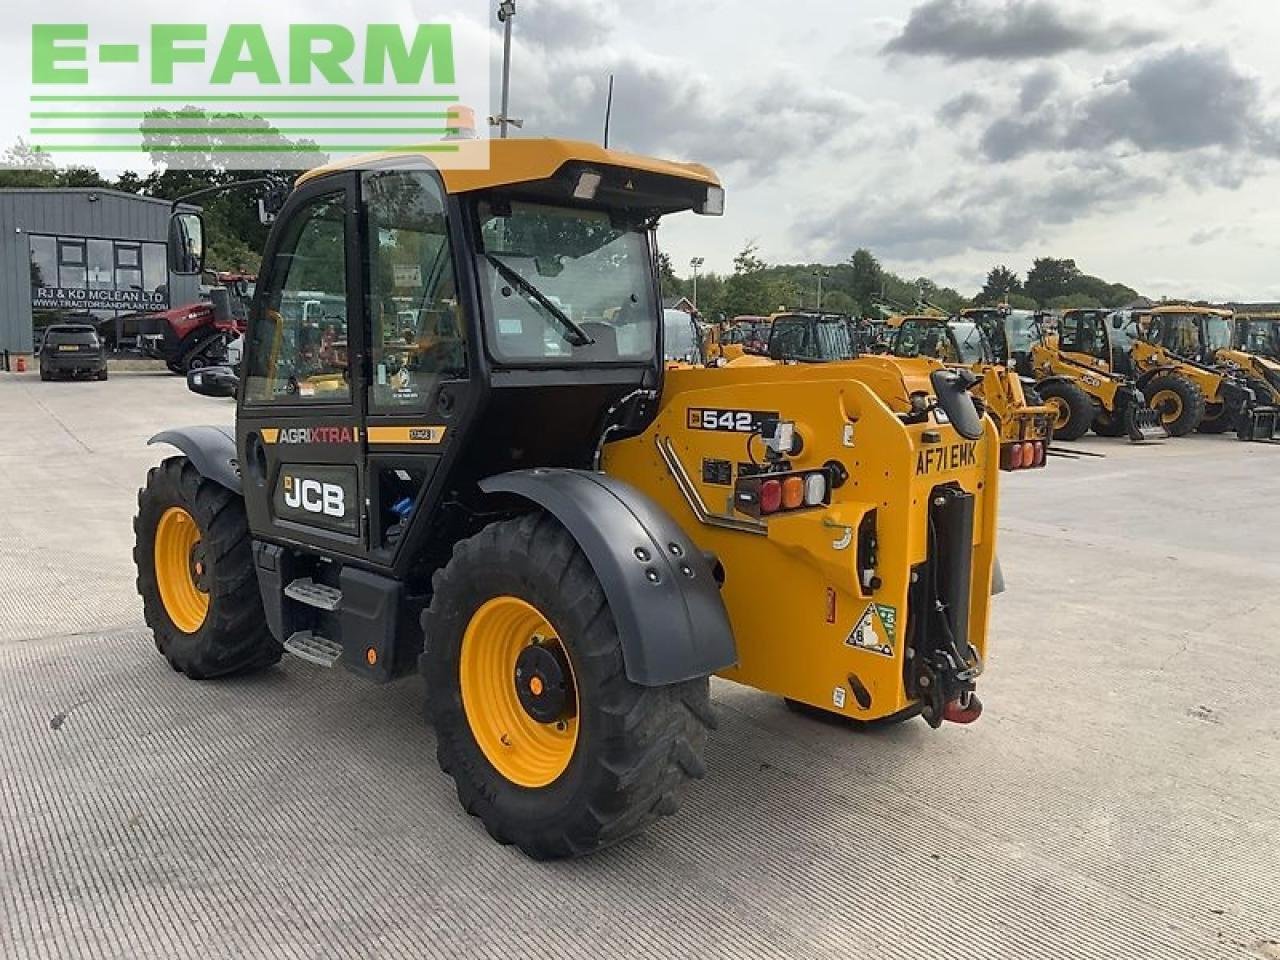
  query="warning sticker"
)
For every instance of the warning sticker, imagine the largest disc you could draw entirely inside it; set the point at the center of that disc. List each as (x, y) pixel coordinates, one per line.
(872, 633)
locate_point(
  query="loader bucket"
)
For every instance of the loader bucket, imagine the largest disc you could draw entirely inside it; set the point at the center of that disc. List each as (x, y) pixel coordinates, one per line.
(1259, 425)
(1145, 425)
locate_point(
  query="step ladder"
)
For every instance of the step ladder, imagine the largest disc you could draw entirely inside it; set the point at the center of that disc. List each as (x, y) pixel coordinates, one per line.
(306, 644)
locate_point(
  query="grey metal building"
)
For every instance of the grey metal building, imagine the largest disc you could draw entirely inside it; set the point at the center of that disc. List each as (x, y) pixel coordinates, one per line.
(78, 252)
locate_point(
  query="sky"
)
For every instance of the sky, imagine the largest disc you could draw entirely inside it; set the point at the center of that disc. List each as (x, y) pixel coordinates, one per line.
(1141, 139)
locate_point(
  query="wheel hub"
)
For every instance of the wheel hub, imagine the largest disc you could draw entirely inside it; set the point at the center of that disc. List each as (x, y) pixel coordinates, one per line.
(542, 683)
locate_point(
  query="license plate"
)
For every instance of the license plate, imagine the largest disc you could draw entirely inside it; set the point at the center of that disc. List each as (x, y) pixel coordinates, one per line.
(68, 348)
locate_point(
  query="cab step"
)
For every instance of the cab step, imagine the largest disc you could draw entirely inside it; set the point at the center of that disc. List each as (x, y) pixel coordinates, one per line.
(314, 648)
(314, 594)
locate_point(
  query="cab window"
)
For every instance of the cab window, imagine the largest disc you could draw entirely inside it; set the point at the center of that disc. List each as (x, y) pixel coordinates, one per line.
(417, 330)
(565, 286)
(299, 351)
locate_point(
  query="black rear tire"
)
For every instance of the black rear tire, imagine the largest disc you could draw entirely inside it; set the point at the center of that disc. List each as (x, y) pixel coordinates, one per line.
(1110, 424)
(637, 747)
(233, 637)
(1216, 419)
(1076, 412)
(1189, 410)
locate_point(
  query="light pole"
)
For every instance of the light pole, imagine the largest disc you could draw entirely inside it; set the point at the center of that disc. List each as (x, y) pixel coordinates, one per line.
(506, 13)
(696, 263)
(821, 276)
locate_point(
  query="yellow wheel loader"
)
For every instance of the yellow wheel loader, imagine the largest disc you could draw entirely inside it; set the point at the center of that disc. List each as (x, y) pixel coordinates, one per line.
(564, 538)
(1121, 409)
(1173, 353)
(1258, 334)
(1083, 396)
(1026, 424)
(1234, 348)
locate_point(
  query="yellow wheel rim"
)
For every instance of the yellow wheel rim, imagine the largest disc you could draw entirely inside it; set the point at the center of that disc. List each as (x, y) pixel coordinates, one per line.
(178, 566)
(1061, 412)
(523, 750)
(1168, 404)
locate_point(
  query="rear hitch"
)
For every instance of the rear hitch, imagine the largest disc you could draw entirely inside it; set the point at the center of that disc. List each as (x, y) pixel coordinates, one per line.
(964, 709)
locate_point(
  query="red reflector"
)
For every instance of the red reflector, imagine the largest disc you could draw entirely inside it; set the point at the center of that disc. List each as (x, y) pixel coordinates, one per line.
(793, 493)
(770, 496)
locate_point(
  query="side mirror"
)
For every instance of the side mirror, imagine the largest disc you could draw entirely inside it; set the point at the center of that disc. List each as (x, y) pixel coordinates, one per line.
(213, 382)
(186, 244)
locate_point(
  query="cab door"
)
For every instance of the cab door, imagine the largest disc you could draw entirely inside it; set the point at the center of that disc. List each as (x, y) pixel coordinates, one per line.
(422, 387)
(299, 432)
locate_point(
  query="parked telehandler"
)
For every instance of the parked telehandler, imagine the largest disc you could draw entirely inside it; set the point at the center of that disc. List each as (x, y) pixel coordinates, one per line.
(1026, 424)
(489, 476)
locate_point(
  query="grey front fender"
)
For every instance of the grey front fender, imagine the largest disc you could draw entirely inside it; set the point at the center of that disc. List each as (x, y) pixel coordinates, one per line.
(661, 589)
(212, 450)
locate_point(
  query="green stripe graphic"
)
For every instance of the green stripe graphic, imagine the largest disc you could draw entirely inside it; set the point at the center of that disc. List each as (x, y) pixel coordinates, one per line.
(257, 99)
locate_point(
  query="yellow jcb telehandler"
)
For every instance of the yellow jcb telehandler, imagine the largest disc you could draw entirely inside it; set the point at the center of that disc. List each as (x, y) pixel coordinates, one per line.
(562, 536)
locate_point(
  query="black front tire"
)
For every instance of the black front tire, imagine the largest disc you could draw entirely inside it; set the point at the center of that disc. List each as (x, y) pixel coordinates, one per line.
(1075, 402)
(1191, 402)
(234, 637)
(638, 747)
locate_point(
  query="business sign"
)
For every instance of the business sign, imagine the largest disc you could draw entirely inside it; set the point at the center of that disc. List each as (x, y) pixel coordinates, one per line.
(81, 298)
(258, 86)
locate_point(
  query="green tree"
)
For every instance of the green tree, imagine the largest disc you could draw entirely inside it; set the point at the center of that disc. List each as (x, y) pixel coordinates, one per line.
(1049, 278)
(27, 167)
(866, 281)
(1001, 284)
(747, 291)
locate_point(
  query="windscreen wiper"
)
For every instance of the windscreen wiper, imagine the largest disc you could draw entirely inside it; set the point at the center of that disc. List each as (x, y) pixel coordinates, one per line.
(579, 338)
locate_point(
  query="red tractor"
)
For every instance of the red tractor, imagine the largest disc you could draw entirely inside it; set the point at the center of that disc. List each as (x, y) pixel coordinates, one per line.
(197, 335)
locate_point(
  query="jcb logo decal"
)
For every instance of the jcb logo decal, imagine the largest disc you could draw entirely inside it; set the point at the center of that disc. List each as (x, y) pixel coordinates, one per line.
(326, 499)
(958, 456)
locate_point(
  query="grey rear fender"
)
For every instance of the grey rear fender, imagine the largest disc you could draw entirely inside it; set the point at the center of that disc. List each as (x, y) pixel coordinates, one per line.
(661, 588)
(211, 450)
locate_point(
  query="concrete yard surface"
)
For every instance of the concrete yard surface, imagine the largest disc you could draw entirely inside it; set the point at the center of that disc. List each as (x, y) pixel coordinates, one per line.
(1119, 798)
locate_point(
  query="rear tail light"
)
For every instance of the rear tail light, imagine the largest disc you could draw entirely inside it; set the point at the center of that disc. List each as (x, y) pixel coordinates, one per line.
(1023, 456)
(793, 493)
(768, 494)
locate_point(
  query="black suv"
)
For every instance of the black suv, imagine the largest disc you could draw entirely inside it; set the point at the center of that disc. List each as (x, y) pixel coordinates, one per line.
(72, 349)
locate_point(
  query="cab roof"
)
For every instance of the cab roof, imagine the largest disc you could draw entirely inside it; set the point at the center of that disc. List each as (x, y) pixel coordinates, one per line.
(1185, 308)
(512, 162)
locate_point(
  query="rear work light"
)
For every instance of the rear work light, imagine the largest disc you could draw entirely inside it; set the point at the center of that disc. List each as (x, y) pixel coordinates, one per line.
(769, 494)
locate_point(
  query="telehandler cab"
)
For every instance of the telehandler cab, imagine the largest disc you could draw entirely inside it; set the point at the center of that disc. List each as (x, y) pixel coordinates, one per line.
(458, 450)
